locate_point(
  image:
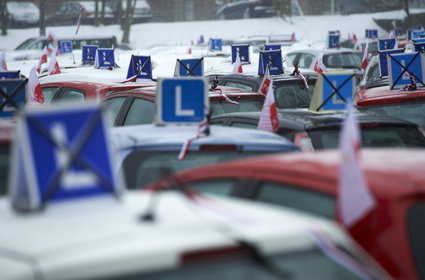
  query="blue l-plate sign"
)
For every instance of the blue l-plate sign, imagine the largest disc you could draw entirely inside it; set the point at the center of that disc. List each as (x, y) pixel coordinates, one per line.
(182, 100)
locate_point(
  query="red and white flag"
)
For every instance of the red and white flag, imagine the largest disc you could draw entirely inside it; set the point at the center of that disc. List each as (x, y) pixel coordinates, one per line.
(320, 66)
(355, 37)
(265, 84)
(42, 60)
(79, 20)
(237, 67)
(3, 65)
(35, 93)
(301, 76)
(53, 64)
(354, 199)
(269, 120)
(365, 59)
(51, 37)
(293, 39)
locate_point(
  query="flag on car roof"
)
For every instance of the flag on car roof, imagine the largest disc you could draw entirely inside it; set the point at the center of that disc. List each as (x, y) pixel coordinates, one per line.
(265, 84)
(293, 39)
(42, 60)
(365, 59)
(51, 37)
(35, 93)
(237, 67)
(269, 120)
(319, 66)
(53, 64)
(354, 199)
(3, 65)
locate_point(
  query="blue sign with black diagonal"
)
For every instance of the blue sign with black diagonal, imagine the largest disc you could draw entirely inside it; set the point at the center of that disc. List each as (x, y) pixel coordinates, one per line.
(8, 74)
(271, 47)
(418, 34)
(271, 59)
(386, 44)
(66, 156)
(182, 100)
(337, 90)
(65, 47)
(189, 67)
(141, 66)
(402, 66)
(371, 33)
(383, 65)
(242, 51)
(105, 58)
(216, 45)
(12, 96)
(89, 54)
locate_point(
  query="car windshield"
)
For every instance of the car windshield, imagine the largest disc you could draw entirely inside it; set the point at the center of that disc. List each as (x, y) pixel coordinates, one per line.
(144, 167)
(223, 107)
(415, 216)
(413, 112)
(343, 60)
(25, 44)
(292, 95)
(389, 136)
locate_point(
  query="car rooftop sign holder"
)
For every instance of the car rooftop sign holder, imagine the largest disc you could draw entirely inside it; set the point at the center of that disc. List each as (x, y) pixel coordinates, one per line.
(387, 44)
(182, 100)
(105, 58)
(383, 63)
(61, 154)
(332, 91)
(405, 70)
(13, 94)
(189, 67)
(89, 54)
(242, 51)
(271, 59)
(140, 67)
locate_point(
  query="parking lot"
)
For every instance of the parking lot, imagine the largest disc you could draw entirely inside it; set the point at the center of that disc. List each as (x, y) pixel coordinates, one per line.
(258, 143)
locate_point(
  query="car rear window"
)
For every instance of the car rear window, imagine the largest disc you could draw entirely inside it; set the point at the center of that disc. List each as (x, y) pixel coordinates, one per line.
(343, 60)
(413, 112)
(144, 167)
(223, 107)
(416, 227)
(388, 136)
(292, 95)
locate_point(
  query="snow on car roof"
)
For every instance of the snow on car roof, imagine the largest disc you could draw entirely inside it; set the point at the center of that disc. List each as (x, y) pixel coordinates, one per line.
(174, 136)
(92, 238)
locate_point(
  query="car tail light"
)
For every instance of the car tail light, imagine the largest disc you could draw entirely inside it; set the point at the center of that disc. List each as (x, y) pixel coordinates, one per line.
(303, 141)
(218, 147)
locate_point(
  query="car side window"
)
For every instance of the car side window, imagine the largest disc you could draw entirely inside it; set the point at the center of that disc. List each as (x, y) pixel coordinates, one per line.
(113, 106)
(72, 95)
(291, 57)
(239, 85)
(296, 197)
(48, 93)
(141, 111)
(222, 187)
(305, 60)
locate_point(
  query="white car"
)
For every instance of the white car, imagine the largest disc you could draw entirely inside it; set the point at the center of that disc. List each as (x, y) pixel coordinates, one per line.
(170, 236)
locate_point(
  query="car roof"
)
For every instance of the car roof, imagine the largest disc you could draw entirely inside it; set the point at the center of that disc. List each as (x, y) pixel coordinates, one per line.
(258, 79)
(172, 137)
(390, 172)
(308, 120)
(384, 95)
(93, 238)
(317, 51)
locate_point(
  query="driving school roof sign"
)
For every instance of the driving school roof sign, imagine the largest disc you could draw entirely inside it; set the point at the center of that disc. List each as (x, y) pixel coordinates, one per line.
(332, 91)
(12, 96)
(182, 100)
(405, 69)
(189, 67)
(61, 154)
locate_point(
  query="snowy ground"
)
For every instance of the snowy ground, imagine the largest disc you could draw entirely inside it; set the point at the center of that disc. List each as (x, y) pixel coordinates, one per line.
(168, 41)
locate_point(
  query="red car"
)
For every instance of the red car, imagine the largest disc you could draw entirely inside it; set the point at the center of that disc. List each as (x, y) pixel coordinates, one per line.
(80, 91)
(406, 105)
(393, 232)
(137, 106)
